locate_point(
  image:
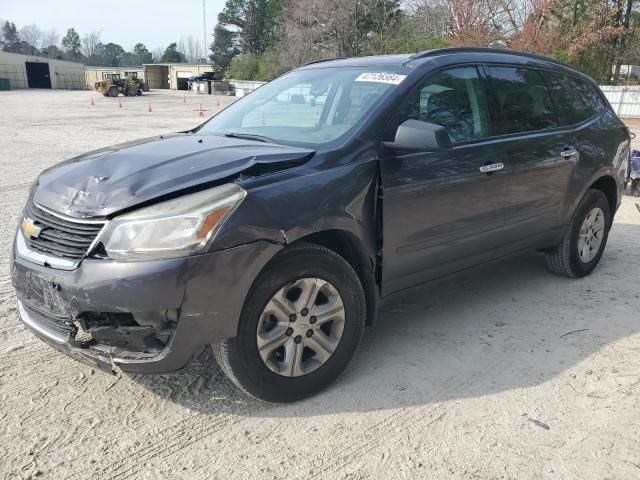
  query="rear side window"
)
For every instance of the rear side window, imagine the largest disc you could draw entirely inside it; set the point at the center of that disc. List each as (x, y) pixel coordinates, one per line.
(451, 98)
(575, 99)
(524, 103)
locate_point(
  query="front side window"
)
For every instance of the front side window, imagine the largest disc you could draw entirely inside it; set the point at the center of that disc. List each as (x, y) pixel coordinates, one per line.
(524, 103)
(575, 100)
(309, 107)
(452, 98)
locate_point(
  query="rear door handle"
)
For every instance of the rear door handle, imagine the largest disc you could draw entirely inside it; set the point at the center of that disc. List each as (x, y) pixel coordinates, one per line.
(494, 167)
(568, 152)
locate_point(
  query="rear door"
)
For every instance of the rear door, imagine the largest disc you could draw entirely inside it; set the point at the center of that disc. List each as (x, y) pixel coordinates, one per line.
(441, 213)
(598, 133)
(539, 155)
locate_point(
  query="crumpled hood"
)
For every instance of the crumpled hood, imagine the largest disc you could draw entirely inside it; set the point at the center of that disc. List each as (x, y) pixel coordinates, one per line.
(100, 183)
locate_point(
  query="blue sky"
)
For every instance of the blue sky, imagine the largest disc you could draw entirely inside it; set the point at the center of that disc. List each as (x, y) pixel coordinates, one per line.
(155, 23)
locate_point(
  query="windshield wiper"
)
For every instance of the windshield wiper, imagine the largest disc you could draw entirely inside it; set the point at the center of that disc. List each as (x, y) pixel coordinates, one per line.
(249, 136)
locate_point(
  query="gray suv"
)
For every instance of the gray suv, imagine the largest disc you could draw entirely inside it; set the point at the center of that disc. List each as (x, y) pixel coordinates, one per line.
(273, 231)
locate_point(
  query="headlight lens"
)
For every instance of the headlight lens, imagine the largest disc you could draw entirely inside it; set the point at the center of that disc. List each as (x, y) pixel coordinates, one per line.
(175, 228)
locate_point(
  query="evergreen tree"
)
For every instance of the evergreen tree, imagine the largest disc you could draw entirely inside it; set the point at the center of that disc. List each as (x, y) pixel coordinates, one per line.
(141, 54)
(223, 48)
(71, 44)
(172, 55)
(10, 38)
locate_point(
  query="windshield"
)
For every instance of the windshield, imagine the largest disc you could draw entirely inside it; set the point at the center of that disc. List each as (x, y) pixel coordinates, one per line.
(308, 107)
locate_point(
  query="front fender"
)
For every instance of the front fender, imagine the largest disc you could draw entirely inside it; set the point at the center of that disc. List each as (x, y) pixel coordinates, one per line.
(340, 198)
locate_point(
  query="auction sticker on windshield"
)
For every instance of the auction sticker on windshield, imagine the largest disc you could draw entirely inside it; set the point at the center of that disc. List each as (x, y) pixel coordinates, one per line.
(381, 77)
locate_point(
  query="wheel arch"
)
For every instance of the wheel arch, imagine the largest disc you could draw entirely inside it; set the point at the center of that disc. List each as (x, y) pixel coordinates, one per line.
(607, 185)
(603, 180)
(353, 250)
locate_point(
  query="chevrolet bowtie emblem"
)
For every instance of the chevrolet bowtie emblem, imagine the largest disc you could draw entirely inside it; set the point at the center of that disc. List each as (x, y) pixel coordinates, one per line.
(30, 229)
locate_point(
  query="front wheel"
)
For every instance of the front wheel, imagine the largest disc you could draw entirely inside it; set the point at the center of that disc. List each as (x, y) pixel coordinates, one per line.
(585, 239)
(300, 326)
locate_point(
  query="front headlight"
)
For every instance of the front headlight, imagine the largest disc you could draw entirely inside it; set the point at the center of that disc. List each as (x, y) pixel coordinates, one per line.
(175, 228)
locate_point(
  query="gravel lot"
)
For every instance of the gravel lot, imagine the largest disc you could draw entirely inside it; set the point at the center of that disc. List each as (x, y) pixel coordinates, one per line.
(531, 376)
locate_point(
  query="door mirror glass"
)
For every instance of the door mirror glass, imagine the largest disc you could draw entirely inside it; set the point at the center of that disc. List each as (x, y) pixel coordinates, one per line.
(422, 136)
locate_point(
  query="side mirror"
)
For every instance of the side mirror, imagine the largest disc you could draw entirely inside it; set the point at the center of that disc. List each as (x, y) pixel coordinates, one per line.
(421, 136)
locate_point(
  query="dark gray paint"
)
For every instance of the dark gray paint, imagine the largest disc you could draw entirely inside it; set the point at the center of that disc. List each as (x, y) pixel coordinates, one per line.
(408, 216)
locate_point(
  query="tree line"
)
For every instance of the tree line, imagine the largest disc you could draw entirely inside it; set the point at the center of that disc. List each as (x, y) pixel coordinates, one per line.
(91, 50)
(260, 39)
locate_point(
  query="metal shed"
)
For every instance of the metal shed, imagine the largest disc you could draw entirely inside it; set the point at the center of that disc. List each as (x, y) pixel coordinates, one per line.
(30, 71)
(172, 75)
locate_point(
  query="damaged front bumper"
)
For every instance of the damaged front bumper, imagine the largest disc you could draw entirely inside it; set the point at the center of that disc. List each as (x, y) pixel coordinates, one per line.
(144, 317)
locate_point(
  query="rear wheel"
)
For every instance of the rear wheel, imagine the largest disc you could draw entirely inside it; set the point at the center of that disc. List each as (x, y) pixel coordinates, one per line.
(113, 91)
(585, 239)
(300, 327)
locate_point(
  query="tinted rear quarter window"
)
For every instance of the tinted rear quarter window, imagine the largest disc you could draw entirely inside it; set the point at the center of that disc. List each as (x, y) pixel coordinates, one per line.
(523, 100)
(575, 99)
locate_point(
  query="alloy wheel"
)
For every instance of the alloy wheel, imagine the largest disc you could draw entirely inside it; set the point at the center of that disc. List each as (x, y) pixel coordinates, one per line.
(300, 327)
(591, 235)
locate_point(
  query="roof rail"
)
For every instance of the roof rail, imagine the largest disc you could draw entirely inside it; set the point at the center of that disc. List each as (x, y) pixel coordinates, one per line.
(322, 60)
(441, 51)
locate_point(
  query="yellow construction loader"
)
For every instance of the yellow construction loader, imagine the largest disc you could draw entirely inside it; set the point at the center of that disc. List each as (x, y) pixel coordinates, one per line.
(113, 85)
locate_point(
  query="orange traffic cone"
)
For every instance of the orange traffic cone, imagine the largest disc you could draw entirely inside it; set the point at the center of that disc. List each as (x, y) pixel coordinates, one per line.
(200, 111)
(149, 109)
(119, 103)
(217, 102)
(93, 104)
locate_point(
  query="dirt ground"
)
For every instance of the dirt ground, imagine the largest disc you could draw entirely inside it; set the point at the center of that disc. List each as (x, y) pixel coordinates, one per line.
(502, 372)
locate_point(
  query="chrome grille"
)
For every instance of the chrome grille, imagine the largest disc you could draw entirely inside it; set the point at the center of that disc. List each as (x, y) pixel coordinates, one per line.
(61, 236)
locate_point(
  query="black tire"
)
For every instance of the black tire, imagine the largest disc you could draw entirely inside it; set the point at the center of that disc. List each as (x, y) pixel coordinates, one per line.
(564, 258)
(635, 187)
(239, 358)
(113, 91)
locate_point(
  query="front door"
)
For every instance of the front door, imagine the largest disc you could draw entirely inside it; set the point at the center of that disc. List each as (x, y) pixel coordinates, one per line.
(441, 213)
(38, 75)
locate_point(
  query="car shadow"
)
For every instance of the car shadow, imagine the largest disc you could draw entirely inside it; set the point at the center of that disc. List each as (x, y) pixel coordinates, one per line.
(494, 328)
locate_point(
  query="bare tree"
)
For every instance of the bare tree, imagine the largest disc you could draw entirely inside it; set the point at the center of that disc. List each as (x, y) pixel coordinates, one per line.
(382, 17)
(310, 32)
(90, 45)
(31, 34)
(157, 54)
(533, 35)
(182, 47)
(429, 18)
(50, 37)
(193, 49)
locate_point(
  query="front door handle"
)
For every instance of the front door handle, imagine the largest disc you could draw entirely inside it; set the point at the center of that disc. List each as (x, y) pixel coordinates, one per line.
(494, 167)
(568, 152)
